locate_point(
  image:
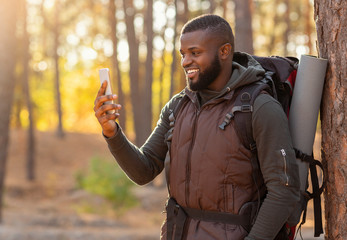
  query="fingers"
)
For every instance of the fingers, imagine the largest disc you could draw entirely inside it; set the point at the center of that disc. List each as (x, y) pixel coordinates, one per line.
(100, 100)
(106, 109)
(102, 89)
(101, 93)
(104, 119)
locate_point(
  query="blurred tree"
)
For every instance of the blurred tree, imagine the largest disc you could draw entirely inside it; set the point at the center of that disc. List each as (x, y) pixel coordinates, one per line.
(212, 6)
(331, 24)
(56, 33)
(147, 108)
(281, 29)
(308, 25)
(182, 16)
(55, 20)
(288, 28)
(225, 8)
(134, 62)
(54, 27)
(162, 68)
(8, 14)
(116, 73)
(276, 19)
(174, 62)
(30, 174)
(243, 26)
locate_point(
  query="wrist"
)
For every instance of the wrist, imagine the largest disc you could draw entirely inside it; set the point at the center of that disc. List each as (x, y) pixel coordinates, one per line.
(110, 133)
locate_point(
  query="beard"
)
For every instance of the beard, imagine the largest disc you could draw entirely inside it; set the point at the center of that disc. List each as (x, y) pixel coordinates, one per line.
(206, 77)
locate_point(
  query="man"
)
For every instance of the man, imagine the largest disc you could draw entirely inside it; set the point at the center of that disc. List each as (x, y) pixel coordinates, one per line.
(212, 188)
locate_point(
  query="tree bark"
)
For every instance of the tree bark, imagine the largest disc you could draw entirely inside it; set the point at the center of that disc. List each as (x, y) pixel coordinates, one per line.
(331, 24)
(116, 73)
(8, 12)
(243, 26)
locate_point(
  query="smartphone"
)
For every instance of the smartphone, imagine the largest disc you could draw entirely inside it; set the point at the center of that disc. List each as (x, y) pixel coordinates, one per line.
(104, 74)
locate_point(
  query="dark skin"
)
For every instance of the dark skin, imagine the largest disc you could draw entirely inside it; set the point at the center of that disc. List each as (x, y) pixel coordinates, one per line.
(198, 49)
(105, 118)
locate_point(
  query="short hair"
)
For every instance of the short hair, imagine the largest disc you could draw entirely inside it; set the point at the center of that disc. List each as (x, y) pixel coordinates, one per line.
(216, 24)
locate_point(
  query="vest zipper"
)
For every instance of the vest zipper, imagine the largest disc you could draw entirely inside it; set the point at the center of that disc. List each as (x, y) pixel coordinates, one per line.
(283, 153)
(188, 169)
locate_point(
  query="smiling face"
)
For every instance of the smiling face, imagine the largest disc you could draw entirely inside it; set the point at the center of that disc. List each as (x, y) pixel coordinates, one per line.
(201, 61)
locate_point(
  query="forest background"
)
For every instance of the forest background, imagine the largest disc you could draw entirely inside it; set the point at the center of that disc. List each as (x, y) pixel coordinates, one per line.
(59, 46)
(64, 43)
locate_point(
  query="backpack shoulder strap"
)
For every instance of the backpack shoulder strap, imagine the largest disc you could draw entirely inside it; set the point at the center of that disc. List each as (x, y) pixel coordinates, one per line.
(242, 114)
(243, 109)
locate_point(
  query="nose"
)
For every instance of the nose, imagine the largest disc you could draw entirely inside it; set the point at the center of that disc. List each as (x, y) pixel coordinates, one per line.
(186, 60)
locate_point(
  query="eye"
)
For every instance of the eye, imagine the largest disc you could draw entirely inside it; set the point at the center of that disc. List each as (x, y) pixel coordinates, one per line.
(195, 53)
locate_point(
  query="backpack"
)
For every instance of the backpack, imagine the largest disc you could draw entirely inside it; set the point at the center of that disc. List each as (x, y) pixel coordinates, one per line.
(279, 82)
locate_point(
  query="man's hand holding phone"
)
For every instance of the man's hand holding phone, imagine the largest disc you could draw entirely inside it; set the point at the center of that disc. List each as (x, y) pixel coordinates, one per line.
(106, 111)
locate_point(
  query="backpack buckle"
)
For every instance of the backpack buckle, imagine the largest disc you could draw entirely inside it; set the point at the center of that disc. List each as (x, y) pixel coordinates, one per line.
(246, 108)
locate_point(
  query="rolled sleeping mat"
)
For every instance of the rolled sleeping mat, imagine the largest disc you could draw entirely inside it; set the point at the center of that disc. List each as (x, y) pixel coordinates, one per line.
(305, 107)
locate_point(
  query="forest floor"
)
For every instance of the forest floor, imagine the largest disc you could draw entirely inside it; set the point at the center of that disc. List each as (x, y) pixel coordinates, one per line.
(51, 206)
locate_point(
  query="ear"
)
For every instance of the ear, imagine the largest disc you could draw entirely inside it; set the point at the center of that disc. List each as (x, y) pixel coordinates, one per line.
(225, 51)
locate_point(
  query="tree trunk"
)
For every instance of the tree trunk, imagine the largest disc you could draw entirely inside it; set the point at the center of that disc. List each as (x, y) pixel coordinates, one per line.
(308, 26)
(225, 8)
(276, 19)
(26, 90)
(56, 32)
(243, 26)
(212, 6)
(18, 101)
(288, 28)
(173, 63)
(181, 19)
(116, 73)
(134, 60)
(8, 12)
(162, 70)
(147, 116)
(331, 24)
(185, 15)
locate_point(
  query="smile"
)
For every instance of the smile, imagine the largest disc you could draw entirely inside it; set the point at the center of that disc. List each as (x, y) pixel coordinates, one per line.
(192, 71)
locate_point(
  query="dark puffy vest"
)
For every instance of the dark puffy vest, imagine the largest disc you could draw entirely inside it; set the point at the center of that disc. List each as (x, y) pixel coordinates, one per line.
(210, 168)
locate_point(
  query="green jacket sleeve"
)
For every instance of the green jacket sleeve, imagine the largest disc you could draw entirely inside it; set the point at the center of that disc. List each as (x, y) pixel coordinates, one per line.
(278, 166)
(143, 164)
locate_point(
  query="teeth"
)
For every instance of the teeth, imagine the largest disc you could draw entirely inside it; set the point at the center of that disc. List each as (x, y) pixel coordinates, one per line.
(192, 71)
